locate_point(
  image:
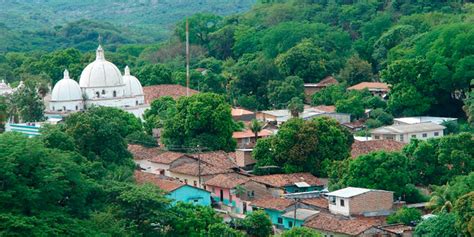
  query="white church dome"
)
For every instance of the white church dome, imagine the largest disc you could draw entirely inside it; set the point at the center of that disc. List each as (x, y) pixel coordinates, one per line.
(101, 73)
(133, 87)
(66, 89)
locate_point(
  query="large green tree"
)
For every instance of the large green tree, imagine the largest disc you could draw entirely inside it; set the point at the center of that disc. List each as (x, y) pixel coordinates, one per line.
(305, 146)
(257, 224)
(305, 60)
(281, 92)
(203, 119)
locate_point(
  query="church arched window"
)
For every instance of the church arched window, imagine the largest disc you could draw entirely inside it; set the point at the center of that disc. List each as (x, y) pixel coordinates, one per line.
(54, 108)
(97, 94)
(136, 102)
(77, 108)
(115, 94)
(64, 108)
(103, 92)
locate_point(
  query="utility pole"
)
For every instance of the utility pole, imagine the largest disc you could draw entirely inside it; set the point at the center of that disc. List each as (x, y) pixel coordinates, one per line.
(199, 165)
(187, 57)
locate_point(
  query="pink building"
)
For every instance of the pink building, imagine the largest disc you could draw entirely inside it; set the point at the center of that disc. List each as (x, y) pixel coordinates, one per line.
(227, 191)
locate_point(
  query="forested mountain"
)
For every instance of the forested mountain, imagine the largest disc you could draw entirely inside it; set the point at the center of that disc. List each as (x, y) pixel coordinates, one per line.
(261, 58)
(45, 24)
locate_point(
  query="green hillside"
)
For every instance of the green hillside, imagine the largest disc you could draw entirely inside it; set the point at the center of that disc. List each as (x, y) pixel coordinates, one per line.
(142, 14)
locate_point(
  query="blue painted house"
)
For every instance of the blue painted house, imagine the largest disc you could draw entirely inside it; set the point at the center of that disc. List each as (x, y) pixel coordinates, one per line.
(275, 208)
(297, 219)
(176, 190)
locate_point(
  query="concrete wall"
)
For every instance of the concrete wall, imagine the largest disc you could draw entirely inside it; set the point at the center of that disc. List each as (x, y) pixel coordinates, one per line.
(408, 136)
(153, 168)
(64, 106)
(191, 195)
(337, 208)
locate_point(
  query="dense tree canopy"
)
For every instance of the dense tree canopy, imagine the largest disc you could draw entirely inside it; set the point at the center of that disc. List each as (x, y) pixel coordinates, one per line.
(203, 119)
(304, 146)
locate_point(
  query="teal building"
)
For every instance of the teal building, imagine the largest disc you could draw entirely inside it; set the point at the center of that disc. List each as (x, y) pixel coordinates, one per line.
(190, 194)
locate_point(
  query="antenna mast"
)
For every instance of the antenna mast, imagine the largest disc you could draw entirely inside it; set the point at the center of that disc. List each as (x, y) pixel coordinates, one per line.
(187, 57)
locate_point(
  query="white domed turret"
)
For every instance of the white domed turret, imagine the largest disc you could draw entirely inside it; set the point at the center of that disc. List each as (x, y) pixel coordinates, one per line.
(66, 95)
(133, 87)
(66, 89)
(101, 73)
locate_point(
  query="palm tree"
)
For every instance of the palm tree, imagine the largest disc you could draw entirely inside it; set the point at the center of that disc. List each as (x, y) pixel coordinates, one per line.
(296, 106)
(439, 201)
(256, 127)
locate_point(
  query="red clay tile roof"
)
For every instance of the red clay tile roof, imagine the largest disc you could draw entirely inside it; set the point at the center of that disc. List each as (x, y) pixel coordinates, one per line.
(326, 108)
(364, 147)
(329, 80)
(157, 91)
(239, 112)
(227, 180)
(281, 180)
(317, 202)
(192, 168)
(369, 85)
(397, 228)
(279, 204)
(167, 157)
(344, 225)
(217, 158)
(143, 153)
(164, 184)
(249, 133)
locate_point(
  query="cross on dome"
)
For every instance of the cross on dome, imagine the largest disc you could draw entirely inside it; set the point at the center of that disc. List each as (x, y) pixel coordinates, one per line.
(99, 55)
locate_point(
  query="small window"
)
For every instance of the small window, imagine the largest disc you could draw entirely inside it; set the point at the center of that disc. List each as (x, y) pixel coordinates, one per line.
(290, 224)
(77, 108)
(103, 92)
(64, 108)
(342, 202)
(401, 138)
(115, 94)
(195, 200)
(425, 135)
(53, 108)
(97, 94)
(413, 136)
(195, 183)
(376, 137)
(280, 220)
(436, 134)
(185, 181)
(136, 102)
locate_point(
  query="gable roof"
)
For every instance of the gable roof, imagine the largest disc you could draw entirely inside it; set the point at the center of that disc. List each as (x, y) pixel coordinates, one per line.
(143, 153)
(227, 180)
(279, 204)
(192, 168)
(157, 91)
(364, 147)
(316, 202)
(370, 86)
(326, 108)
(164, 184)
(219, 159)
(301, 214)
(339, 224)
(167, 157)
(329, 80)
(408, 128)
(240, 112)
(249, 133)
(282, 180)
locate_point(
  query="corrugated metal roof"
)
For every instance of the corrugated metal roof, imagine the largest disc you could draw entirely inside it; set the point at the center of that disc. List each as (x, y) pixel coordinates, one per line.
(408, 128)
(348, 192)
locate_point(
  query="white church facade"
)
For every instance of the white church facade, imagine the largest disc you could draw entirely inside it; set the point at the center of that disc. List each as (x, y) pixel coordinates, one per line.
(101, 84)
